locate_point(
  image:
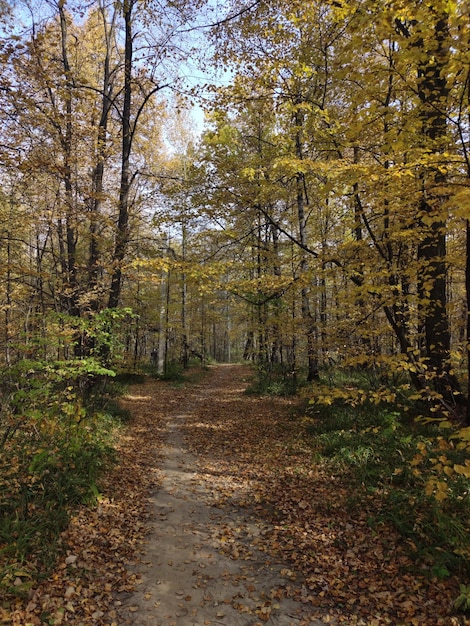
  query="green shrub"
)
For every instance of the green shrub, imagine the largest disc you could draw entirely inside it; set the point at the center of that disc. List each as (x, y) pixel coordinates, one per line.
(50, 463)
(273, 380)
(379, 449)
(174, 372)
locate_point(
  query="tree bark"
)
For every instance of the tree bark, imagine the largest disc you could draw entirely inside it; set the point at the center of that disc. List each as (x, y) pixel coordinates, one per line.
(432, 283)
(71, 287)
(122, 231)
(307, 316)
(467, 287)
(99, 168)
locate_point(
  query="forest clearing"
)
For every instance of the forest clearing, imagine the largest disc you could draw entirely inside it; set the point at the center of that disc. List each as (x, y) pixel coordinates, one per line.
(278, 184)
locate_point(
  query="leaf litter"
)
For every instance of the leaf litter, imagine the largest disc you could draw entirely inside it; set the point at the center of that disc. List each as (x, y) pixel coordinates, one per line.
(270, 507)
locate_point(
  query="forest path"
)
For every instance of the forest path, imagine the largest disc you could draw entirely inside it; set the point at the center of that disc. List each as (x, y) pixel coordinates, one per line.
(219, 512)
(205, 560)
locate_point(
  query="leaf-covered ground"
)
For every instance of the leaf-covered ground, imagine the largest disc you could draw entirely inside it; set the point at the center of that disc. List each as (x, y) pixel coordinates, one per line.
(353, 574)
(252, 453)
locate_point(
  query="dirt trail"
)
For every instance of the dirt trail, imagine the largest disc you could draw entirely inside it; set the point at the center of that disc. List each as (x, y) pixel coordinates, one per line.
(203, 562)
(245, 528)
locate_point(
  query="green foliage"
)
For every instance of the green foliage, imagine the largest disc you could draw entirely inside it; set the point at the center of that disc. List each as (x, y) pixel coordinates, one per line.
(97, 336)
(463, 600)
(35, 391)
(405, 468)
(56, 441)
(274, 380)
(42, 480)
(174, 372)
(366, 437)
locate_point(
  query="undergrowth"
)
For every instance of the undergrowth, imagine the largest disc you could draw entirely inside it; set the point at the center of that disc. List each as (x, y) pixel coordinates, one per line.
(273, 380)
(405, 468)
(55, 443)
(176, 373)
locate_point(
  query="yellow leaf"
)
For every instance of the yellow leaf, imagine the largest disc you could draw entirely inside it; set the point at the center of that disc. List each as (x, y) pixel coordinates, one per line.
(441, 491)
(440, 496)
(462, 469)
(416, 460)
(463, 433)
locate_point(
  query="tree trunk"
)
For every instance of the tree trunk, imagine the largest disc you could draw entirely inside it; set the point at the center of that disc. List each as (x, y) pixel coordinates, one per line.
(432, 283)
(184, 295)
(276, 349)
(70, 296)
(122, 232)
(467, 286)
(308, 318)
(98, 170)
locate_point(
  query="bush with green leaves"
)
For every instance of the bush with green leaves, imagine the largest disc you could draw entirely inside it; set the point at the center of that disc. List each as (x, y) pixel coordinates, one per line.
(406, 466)
(273, 380)
(56, 438)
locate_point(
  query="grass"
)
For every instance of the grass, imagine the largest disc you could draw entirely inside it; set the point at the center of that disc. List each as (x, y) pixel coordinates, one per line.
(275, 380)
(48, 467)
(396, 461)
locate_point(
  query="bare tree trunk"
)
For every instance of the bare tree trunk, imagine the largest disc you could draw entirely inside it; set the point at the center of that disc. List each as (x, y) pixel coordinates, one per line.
(184, 288)
(307, 316)
(166, 345)
(71, 286)
(122, 231)
(100, 157)
(276, 349)
(8, 293)
(467, 286)
(432, 283)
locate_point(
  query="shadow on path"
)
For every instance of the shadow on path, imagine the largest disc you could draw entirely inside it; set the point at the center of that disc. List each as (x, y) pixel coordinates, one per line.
(204, 564)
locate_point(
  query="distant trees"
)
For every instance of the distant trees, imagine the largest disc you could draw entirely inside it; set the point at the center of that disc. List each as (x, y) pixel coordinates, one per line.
(323, 215)
(359, 175)
(76, 90)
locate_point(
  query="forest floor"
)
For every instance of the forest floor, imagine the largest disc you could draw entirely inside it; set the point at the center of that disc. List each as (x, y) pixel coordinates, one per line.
(218, 513)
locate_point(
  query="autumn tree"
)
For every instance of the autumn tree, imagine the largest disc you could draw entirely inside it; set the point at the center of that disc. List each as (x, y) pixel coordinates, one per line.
(362, 92)
(73, 94)
(235, 177)
(141, 82)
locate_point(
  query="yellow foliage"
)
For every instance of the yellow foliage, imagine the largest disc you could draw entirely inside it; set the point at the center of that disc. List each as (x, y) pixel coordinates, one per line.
(417, 460)
(463, 434)
(437, 488)
(464, 470)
